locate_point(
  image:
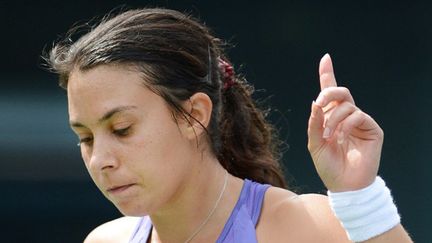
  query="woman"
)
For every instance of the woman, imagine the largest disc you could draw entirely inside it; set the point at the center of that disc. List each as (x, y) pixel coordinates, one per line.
(171, 136)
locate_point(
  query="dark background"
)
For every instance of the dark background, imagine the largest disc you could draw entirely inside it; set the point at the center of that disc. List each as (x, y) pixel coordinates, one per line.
(381, 51)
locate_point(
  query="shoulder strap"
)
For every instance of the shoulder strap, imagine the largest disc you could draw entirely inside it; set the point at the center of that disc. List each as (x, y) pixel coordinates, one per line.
(142, 230)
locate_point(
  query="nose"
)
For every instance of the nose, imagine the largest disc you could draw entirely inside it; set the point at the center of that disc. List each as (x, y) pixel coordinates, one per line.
(103, 157)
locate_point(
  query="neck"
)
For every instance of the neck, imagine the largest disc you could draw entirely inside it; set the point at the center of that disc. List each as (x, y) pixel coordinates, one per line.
(179, 220)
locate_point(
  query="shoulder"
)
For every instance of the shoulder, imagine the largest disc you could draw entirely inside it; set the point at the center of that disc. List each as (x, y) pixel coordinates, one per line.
(298, 218)
(117, 230)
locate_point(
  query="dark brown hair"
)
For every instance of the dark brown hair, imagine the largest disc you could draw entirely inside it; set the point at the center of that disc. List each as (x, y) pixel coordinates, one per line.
(179, 57)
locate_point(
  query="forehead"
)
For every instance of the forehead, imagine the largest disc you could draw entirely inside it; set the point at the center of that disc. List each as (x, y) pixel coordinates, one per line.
(92, 92)
(103, 76)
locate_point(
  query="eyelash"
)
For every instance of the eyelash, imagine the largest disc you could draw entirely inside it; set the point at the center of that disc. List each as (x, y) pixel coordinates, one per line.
(118, 132)
(84, 141)
(122, 132)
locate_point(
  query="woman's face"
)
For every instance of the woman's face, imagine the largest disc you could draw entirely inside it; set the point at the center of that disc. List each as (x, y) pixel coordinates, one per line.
(131, 145)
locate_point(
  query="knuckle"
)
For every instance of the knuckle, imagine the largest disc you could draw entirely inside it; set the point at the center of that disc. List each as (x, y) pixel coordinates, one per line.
(347, 94)
(348, 105)
(360, 113)
(345, 90)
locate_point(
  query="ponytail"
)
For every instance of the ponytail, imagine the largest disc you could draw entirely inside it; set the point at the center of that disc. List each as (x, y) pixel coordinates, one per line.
(177, 55)
(249, 146)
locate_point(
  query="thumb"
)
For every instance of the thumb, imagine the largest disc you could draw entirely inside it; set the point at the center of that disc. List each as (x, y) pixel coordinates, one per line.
(315, 127)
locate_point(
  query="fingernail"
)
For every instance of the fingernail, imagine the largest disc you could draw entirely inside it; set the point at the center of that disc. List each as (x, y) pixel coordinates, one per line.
(324, 56)
(320, 101)
(326, 133)
(340, 138)
(314, 111)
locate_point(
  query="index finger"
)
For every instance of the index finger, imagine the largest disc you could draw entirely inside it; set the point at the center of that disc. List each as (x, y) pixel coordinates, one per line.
(327, 77)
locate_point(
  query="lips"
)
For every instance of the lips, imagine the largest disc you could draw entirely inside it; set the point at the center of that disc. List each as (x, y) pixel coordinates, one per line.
(116, 190)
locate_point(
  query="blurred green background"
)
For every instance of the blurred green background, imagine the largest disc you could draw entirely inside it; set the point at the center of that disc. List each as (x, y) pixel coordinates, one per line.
(381, 51)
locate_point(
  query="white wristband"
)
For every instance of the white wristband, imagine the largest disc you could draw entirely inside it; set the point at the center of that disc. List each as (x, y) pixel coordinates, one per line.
(367, 212)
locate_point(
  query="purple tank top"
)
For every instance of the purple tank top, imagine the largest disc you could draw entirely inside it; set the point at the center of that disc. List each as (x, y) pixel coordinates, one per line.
(241, 224)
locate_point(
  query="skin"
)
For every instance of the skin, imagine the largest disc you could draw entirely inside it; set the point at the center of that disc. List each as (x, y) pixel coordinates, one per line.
(157, 169)
(345, 143)
(158, 157)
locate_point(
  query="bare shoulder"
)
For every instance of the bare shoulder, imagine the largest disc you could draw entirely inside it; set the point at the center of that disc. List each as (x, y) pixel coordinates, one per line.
(298, 218)
(117, 230)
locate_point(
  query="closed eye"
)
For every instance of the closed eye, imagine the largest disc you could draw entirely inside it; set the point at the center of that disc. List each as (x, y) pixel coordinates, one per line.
(85, 140)
(122, 132)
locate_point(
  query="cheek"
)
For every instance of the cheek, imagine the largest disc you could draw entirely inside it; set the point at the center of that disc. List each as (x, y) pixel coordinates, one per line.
(159, 152)
(86, 156)
(160, 148)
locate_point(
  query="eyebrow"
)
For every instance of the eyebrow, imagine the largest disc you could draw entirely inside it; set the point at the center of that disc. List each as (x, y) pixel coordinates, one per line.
(106, 116)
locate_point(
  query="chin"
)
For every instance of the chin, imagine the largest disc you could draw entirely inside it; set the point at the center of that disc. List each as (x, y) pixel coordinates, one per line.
(131, 209)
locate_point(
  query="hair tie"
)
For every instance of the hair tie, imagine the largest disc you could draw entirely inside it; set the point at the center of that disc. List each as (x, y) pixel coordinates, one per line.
(227, 71)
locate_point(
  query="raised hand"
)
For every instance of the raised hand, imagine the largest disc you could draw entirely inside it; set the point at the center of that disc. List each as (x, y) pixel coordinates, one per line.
(344, 142)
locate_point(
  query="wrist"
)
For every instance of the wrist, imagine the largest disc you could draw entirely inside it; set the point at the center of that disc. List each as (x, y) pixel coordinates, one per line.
(367, 212)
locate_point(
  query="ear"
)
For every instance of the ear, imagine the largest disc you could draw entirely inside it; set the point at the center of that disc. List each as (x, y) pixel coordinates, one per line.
(200, 108)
